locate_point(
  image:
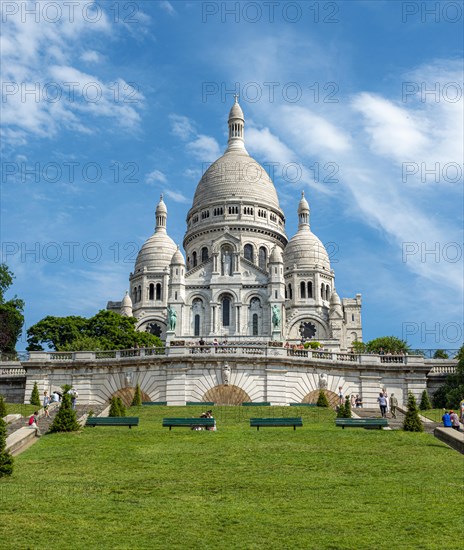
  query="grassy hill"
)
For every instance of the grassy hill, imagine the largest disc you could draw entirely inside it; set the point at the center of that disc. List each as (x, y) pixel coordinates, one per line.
(318, 487)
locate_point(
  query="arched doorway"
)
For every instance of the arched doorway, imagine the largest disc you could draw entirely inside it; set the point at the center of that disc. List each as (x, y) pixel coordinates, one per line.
(127, 394)
(312, 397)
(226, 395)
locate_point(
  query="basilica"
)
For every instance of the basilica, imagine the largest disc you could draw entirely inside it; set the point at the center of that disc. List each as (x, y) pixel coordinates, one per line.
(241, 279)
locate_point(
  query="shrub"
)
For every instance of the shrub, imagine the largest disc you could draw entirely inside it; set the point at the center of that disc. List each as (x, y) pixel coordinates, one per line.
(412, 421)
(440, 354)
(137, 400)
(322, 400)
(35, 397)
(2, 407)
(114, 407)
(6, 460)
(65, 420)
(122, 408)
(425, 404)
(341, 411)
(347, 408)
(314, 345)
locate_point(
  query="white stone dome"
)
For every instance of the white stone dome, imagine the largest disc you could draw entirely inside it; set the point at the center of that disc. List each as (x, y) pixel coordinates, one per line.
(178, 258)
(306, 251)
(156, 253)
(126, 301)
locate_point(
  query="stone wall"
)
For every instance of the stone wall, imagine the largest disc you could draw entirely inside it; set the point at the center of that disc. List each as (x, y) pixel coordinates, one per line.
(12, 388)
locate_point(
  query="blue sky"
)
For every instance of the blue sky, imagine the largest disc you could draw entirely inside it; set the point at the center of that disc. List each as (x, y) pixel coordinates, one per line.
(105, 108)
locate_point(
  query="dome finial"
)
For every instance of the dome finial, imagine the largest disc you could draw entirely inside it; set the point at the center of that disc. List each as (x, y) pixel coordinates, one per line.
(303, 212)
(161, 215)
(236, 128)
(236, 96)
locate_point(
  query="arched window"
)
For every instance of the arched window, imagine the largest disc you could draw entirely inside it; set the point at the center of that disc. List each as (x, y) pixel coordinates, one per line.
(322, 291)
(310, 289)
(286, 293)
(262, 257)
(327, 292)
(139, 294)
(290, 294)
(248, 252)
(226, 312)
(303, 290)
(194, 259)
(151, 292)
(255, 324)
(196, 327)
(158, 291)
(134, 293)
(204, 254)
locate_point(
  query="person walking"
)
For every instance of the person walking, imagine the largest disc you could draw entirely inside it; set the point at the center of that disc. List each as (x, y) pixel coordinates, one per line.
(393, 405)
(46, 403)
(382, 401)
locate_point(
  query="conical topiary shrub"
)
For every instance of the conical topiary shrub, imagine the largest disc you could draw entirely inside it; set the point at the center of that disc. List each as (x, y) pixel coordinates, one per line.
(322, 400)
(6, 460)
(137, 400)
(35, 397)
(412, 421)
(65, 420)
(122, 408)
(2, 407)
(341, 411)
(114, 407)
(425, 404)
(347, 408)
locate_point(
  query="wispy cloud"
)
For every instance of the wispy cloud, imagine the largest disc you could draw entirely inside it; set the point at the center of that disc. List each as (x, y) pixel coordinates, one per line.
(155, 176)
(176, 196)
(167, 7)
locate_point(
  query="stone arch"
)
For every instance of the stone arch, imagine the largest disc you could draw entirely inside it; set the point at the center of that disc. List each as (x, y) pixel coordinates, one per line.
(322, 332)
(127, 394)
(226, 395)
(312, 397)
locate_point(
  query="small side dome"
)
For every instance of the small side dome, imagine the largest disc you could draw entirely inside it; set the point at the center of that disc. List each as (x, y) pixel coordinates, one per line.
(335, 299)
(276, 256)
(236, 110)
(126, 301)
(303, 205)
(161, 207)
(177, 258)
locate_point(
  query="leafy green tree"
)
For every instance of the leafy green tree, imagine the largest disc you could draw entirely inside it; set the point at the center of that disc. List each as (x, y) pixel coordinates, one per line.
(114, 407)
(107, 330)
(451, 393)
(122, 408)
(11, 314)
(65, 420)
(35, 396)
(6, 460)
(412, 421)
(341, 411)
(2, 407)
(322, 400)
(358, 347)
(347, 408)
(137, 400)
(389, 344)
(440, 354)
(425, 404)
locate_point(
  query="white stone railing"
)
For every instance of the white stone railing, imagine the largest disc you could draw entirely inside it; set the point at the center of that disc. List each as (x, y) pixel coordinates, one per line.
(443, 369)
(392, 358)
(12, 371)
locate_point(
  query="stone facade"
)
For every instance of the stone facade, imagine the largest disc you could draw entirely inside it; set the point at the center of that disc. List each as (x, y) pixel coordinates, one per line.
(241, 278)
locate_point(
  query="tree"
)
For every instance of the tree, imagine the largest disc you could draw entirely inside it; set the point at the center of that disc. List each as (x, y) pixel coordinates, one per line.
(6, 460)
(11, 314)
(35, 396)
(122, 408)
(451, 393)
(412, 421)
(107, 330)
(65, 420)
(341, 411)
(389, 344)
(137, 400)
(440, 354)
(117, 407)
(2, 407)
(358, 347)
(425, 404)
(322, 400)
(347, 408)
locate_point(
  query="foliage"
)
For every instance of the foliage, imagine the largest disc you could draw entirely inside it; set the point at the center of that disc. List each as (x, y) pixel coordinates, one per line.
(11, 313)
(358, 347)
(389, 344)
(122, 408)
(114, 407)
(2, 407)
(440, 354)
(412, 421)
(107, 330)
(322, 400)
(451, 393)
(314, 345)
(347, 407)
(137, 400)
(425, 403)
(66, 387)
(35, 396)
(6, 460)
(65, 420)
(341, 411)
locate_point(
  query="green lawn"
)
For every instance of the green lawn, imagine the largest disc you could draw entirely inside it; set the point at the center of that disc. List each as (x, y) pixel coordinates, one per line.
(21, 408)
(434, 414)
(318, 487)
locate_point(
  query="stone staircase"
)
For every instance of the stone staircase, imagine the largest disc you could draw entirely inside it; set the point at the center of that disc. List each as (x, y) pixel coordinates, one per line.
(394, 423)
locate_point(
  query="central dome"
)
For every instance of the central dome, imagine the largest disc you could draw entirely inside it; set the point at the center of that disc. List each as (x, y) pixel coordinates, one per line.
(236, 176)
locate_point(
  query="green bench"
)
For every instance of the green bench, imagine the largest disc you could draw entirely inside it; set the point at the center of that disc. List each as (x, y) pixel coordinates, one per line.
(275, 422)
(154, 402)
(205, 403)
(256, 404)
(188, 422)
(369, 423)
(113, 421)
(303, 405)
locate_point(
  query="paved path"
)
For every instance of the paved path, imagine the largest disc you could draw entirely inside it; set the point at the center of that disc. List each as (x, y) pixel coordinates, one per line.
(394, 423)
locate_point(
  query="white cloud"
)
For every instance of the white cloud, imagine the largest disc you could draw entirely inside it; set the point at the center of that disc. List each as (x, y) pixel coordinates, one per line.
(205, 148)
(176, 196)
(167, 7)
(181, 126)
(91, 56)
(155, 176)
